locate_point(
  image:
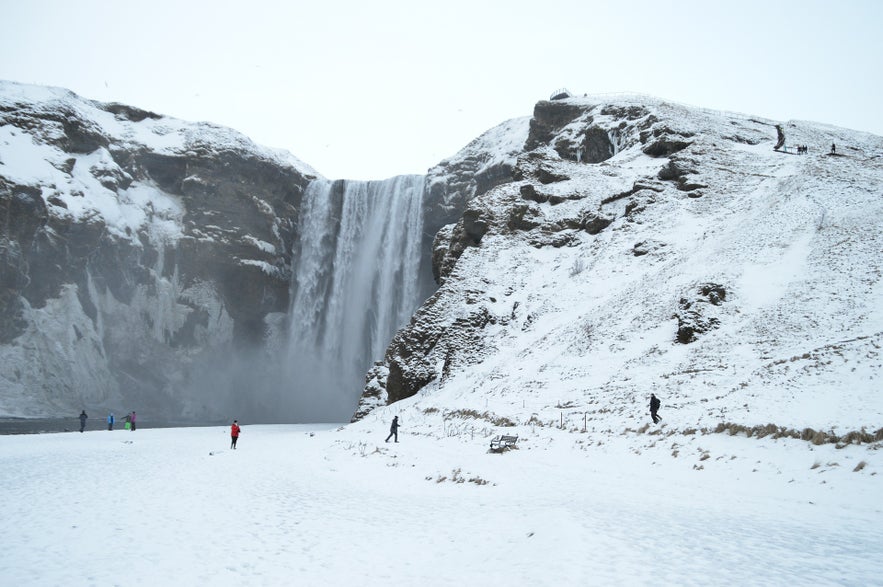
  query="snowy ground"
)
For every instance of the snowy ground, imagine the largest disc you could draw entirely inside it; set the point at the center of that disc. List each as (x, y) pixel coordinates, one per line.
(313, 505)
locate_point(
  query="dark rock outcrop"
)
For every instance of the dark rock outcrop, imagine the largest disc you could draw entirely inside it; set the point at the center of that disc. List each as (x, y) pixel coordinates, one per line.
(696, 314)
(679, 170)
(593, 223)
(549, 118)
(662, 140)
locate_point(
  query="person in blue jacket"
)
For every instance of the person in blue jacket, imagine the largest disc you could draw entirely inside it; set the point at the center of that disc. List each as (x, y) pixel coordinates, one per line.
(110, 421)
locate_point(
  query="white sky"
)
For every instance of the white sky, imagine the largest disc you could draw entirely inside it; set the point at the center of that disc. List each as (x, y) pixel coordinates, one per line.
(367, 90)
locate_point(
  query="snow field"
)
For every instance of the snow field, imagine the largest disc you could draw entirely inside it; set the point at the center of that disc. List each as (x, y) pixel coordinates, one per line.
(323, 505)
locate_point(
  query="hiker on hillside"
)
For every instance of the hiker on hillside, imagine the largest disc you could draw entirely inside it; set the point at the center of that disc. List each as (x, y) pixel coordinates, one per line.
(83, 418)
(234, 434)
(654, 407)
(833, 149)
(110, 420)
(393, 429)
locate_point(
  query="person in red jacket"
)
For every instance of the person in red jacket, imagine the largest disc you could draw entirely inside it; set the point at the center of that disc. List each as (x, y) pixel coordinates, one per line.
(234, 434)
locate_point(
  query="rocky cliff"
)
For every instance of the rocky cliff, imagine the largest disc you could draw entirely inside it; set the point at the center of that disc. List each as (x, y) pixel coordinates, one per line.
(137, 252)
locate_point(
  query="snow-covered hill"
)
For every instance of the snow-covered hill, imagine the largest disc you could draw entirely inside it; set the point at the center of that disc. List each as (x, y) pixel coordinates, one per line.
(681, 256)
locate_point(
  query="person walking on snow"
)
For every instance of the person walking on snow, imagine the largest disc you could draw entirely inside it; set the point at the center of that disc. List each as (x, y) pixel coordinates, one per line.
(654, 407)
(234, 434)
(393, 429)
(110, 420)
(83, 418)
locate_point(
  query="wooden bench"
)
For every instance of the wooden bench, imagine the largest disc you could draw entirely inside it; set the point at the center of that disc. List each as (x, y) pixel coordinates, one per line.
(501, 443)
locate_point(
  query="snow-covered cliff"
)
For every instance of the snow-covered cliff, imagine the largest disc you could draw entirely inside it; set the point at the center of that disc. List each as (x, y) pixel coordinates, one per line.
(138, 253)
(642, 246)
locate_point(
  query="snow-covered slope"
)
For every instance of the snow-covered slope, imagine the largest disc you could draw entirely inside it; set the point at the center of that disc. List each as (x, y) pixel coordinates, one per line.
(649, 247)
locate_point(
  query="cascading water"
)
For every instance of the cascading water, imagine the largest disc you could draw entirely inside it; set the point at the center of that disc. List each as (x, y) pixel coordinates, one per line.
(355, 281)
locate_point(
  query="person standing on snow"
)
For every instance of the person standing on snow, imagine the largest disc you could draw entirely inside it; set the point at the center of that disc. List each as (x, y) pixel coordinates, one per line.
(132, 420)
(393, 429)
(234, 434)
(110, 420)
(83, 418)
(654, 407)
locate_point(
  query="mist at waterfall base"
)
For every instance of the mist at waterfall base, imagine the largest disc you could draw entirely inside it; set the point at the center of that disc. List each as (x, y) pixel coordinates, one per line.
(357, 276)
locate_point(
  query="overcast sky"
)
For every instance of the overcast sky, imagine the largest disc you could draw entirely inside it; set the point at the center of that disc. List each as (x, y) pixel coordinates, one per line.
(369, 89)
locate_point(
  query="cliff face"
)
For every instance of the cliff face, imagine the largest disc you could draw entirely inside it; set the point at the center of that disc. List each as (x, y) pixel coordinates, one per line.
(643, 246)
(148, 262)
(136, 251)
(591, 252)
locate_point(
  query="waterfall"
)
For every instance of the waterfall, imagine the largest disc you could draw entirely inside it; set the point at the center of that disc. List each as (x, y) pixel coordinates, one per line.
(355, 281)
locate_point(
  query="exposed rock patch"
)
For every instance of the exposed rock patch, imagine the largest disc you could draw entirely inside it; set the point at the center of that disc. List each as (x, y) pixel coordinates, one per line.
(696, 313)
(662, 141)
(647, 246)
(679, 170)
(594, 223)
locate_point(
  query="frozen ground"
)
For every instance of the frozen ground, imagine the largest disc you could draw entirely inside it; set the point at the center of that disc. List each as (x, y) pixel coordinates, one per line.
(313, 505)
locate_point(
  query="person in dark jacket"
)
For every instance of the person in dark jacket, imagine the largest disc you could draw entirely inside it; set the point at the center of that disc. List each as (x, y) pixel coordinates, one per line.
(654, 407)
(394, 429)
(234, 434)
(83, 418)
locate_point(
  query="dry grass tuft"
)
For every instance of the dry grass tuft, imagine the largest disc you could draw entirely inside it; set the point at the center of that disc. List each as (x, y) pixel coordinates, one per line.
(494, 419)
(816, 437)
